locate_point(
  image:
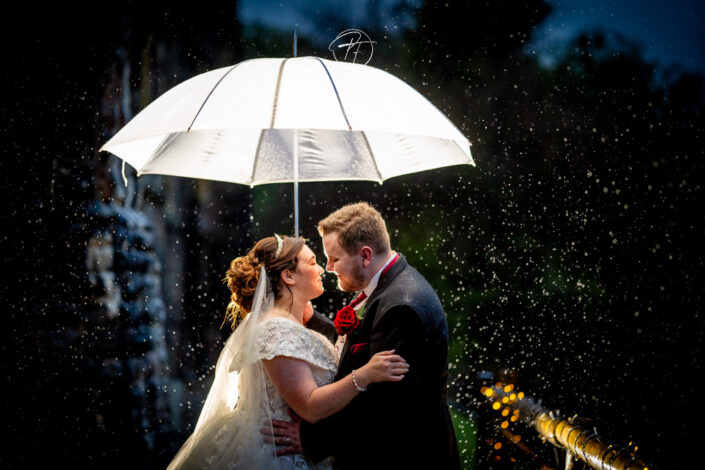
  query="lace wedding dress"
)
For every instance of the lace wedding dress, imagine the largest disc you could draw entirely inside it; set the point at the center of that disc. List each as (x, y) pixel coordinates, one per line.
(282, 337)
(227, 437)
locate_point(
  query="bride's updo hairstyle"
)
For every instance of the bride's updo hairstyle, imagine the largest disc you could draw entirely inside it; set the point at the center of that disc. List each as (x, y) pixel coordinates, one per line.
(244, 273)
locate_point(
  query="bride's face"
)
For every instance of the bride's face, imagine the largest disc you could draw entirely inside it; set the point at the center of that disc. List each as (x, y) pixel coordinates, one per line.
(308, 274)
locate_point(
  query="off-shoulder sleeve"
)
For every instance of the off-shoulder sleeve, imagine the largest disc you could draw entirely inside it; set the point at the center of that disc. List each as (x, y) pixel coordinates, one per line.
(282, 337)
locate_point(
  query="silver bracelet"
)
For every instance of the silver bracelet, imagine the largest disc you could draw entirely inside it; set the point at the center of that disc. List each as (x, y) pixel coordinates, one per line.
(358, 388)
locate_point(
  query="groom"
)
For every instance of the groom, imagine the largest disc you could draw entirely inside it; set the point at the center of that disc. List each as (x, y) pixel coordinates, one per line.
(394, 424)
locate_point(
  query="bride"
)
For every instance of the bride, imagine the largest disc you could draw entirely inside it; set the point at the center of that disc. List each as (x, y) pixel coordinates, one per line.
(272, 364)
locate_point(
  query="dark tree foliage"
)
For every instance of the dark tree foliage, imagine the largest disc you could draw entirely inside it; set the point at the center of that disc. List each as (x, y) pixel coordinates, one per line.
(579, 235)
(64, 409)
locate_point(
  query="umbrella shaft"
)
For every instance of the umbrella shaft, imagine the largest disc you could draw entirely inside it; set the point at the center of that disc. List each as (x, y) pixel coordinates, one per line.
(296, 182)
(296, 208)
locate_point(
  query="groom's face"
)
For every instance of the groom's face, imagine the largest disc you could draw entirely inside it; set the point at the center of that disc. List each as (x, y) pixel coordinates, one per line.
(347, 267)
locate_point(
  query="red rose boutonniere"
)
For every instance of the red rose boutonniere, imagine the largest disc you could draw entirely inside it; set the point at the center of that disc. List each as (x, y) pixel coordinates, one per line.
(346, 320)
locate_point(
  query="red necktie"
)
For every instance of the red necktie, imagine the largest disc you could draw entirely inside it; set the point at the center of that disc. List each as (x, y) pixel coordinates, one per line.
(358, 299)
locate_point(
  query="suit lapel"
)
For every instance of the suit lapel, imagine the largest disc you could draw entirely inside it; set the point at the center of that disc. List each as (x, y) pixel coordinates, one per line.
(382, 285)
(343, 357)
(361, 333)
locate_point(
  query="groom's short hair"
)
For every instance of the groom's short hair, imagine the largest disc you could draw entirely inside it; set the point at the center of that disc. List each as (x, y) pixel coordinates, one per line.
(357, 225)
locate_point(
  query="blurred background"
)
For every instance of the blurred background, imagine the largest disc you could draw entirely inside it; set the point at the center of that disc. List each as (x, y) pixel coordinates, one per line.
(569, 261)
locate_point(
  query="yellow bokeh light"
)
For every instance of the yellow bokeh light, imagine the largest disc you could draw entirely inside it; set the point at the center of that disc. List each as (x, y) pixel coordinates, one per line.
(505, 400)
(521, 395)
(497, 445)
(513, 419)
(508, 388)
(505, 412)
(504, 425)
(488, 392)
(496, 405)
(513, 396)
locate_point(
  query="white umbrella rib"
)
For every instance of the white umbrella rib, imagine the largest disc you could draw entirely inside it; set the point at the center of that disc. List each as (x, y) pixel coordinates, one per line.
(337, 95)
(471, 161)
(254, 165)
(276, 94)
(275, 103)
(372, 156)
(209, 95)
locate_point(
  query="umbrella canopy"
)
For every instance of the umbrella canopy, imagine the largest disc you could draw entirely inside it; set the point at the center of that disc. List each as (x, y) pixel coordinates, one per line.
(290, 120)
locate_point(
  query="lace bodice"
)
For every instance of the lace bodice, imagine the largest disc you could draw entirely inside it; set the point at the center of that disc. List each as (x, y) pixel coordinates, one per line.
(282, 337)
(228, 433)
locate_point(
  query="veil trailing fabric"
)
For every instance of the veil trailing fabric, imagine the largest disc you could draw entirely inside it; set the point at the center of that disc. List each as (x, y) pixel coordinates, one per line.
(227, 434)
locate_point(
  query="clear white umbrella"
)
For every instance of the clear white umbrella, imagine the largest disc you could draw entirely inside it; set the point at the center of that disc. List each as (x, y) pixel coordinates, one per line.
(290, 120)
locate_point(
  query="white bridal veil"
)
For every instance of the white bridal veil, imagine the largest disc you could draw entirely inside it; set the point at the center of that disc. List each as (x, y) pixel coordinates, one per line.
(227, 437)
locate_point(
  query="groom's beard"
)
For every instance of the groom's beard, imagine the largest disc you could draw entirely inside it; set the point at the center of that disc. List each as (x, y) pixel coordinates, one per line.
(352, 281)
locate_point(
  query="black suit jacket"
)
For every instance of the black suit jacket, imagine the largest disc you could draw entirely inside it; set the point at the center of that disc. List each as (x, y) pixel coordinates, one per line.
(394, 425)
(324, 325)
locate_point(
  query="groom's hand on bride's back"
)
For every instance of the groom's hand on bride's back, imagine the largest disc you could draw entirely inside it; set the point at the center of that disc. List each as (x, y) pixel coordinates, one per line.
(286, 435)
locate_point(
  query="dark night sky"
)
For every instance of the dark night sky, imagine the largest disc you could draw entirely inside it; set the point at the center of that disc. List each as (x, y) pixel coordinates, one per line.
(671, 33)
